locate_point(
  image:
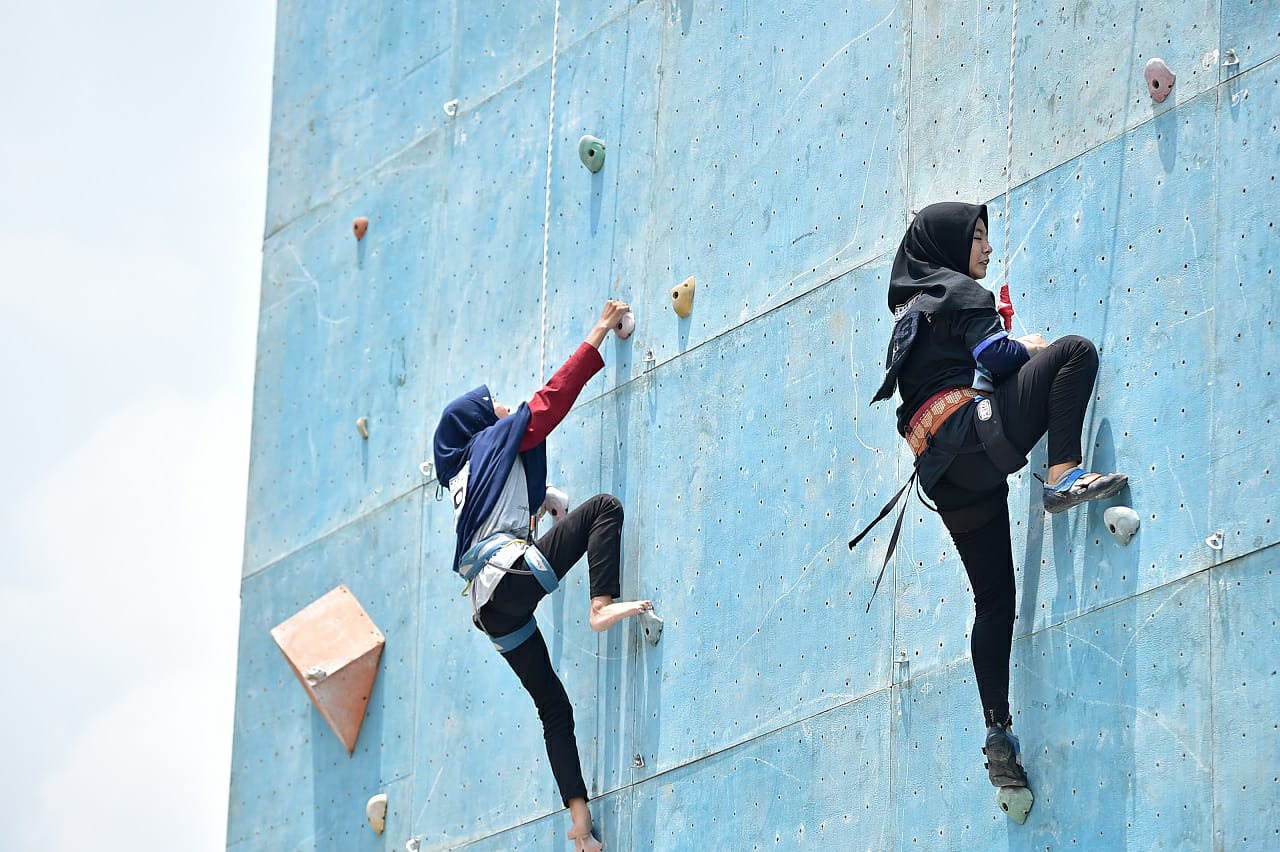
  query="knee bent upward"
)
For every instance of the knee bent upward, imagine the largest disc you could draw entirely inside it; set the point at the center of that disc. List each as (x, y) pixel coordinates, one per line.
(1082, 347)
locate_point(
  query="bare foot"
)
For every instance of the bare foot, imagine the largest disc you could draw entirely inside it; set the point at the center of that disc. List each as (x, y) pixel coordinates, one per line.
(580, 833)
(605, 612)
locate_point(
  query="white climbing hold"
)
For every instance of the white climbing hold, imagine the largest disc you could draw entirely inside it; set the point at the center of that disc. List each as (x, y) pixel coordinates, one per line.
(1215, 541)
(556, 503)
(376, 811)
(652, 626)
(626, 325)
(1122, 522)
(362, 426)
(1016, 802)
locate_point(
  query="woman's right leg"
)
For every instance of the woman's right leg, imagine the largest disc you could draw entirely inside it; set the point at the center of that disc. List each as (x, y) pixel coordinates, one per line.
(1051, 393)
(594, 528)
(532, 665)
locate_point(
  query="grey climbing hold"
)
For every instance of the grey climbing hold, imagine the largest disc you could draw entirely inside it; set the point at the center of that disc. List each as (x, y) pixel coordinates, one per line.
(1016, 802)
(652, 626)
(591, 151)
(1122, 522)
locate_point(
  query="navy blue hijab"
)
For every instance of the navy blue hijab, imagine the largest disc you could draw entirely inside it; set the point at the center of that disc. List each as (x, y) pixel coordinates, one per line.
(469, 430)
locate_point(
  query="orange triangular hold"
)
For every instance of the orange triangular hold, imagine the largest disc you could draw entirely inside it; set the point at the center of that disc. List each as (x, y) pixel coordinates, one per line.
(333, 648)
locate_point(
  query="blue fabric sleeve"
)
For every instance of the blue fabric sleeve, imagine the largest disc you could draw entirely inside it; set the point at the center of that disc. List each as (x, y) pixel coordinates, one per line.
(1001, 355)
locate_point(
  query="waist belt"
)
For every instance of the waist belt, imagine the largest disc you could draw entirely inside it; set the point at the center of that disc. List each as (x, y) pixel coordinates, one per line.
(502, 550)
(930, 416)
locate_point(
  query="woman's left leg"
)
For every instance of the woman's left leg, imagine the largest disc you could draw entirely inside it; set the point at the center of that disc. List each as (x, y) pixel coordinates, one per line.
(987, 554)
(532, 665)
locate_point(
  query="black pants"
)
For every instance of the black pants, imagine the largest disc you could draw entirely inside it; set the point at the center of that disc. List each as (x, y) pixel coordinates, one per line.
(594, 528)
(1049, 394)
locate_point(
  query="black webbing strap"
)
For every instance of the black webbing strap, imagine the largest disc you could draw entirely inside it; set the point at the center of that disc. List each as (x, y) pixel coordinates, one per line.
(893, 539)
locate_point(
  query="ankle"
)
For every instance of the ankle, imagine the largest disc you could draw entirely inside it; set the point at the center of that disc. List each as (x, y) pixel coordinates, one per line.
(994, 720)
(1058, 471)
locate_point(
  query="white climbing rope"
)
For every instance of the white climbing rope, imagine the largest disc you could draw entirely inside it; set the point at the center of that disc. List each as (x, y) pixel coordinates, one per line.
(1008, 153)
(546, 217)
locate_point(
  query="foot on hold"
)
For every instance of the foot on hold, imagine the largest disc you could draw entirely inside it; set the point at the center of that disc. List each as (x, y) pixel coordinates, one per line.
(1080, 486)
(1004, 767)
(587, 843)
(652, 626)
(1004, 756)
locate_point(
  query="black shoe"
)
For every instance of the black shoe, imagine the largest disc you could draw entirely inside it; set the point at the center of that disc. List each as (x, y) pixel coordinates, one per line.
(1004, 757)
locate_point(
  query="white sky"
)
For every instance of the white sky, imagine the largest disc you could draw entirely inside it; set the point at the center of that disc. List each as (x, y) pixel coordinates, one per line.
(133, 153)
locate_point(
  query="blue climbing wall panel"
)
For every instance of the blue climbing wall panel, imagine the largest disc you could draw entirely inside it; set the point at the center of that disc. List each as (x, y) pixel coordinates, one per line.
(774, 152)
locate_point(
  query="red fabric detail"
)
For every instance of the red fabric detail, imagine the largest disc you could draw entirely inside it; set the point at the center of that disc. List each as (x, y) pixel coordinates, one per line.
(1004, 307)
(550, 405)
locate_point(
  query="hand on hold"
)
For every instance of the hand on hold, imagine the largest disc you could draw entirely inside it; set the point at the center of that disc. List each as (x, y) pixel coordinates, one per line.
(614, 311)
(1034, 343)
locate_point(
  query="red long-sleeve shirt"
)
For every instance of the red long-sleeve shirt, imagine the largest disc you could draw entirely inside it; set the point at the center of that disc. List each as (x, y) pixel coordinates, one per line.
(550, 405)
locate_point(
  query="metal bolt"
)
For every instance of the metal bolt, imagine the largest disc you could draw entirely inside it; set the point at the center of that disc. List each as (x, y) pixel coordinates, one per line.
(637, 762)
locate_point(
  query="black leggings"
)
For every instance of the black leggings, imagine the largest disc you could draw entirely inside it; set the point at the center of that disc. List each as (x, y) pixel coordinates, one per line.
(594, 528)
(1050, 393)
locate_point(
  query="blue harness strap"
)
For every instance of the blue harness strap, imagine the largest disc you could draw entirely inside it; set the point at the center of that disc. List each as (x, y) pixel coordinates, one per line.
(541, 569)
(480, 553)
(511, 641)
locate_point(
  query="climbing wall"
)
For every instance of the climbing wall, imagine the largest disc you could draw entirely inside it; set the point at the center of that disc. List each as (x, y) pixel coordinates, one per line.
(775, 153)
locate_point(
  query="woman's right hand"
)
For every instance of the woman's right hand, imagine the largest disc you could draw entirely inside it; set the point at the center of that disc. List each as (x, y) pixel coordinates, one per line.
(614, 311)
(1034, 343)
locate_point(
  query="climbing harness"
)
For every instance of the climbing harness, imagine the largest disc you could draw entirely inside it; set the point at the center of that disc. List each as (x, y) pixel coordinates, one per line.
(486, 562)
(924, 425)
(930, 416)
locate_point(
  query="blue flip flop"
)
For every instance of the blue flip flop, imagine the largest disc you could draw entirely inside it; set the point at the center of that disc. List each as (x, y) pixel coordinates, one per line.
(1071, 492)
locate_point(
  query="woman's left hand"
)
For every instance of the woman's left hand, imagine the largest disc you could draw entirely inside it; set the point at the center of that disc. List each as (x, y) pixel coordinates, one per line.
(1034, 343)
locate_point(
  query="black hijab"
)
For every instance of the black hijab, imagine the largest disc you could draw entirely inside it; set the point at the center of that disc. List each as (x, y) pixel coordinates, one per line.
(933, 261)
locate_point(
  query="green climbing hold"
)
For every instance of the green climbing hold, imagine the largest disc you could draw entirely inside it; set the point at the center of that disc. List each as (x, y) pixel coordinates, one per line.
(591, 150)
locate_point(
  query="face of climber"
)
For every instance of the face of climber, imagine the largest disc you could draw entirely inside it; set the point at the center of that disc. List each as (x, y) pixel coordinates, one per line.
(980, 253)
(500, 409)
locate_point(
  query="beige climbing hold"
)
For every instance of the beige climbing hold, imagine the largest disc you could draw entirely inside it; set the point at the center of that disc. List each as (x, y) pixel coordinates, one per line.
(362, 426)
(360, 226)
(376, 811)
(682, 297)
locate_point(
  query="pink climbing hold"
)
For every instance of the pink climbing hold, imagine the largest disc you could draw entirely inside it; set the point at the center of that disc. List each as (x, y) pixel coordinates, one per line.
(359, 226)
(1160, 79)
